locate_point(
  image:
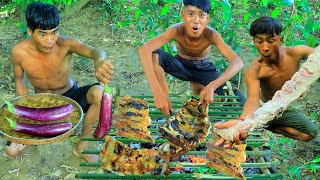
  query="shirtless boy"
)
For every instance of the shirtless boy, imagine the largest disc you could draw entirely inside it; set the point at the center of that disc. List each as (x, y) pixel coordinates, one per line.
(267, 74)
(193, 40)
(45, 58)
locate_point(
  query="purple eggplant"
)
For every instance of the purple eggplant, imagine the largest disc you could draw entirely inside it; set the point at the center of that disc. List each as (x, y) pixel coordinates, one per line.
(41, 114)
(43, 130)
(105, 115)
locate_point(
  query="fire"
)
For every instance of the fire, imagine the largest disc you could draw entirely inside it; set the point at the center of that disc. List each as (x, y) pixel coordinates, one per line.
(195, 159)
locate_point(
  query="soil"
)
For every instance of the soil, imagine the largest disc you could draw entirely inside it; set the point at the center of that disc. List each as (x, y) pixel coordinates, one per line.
(56, 161)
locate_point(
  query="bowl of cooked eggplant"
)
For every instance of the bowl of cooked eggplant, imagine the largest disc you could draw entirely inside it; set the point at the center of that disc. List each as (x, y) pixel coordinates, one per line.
(40, 118)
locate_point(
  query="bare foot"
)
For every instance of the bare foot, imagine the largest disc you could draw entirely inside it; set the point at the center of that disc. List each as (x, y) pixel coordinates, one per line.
(15, 149)
(88, 157)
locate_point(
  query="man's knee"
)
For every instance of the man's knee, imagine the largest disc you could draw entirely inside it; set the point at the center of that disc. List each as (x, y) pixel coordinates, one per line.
(155, 58)
(156, 64)
(94, 94)
(313, 132)
(306, 137)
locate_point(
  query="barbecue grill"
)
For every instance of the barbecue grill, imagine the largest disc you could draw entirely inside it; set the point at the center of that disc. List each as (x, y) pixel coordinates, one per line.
(227, 108)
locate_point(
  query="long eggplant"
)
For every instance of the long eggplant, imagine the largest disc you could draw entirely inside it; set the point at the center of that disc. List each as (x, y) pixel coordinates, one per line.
(41, 114)
(43, 130)
(105, 115)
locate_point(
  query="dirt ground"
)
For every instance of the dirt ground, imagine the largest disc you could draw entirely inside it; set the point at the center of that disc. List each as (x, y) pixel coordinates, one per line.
(56, 161)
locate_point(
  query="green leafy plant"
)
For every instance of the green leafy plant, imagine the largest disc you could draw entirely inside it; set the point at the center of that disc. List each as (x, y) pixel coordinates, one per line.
(21, 5)
(314, 164)
(300, 23)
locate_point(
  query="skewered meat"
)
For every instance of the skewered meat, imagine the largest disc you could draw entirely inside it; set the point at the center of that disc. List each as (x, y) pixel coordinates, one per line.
(292, 90)
(123, 160)
(187, 128)
(132, 119)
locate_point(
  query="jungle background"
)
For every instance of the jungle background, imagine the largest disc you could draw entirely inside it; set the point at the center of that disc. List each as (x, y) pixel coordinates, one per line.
(120, 27)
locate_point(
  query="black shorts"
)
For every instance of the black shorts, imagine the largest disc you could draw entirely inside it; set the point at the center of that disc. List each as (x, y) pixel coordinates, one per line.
(201, 71)
(79, 95)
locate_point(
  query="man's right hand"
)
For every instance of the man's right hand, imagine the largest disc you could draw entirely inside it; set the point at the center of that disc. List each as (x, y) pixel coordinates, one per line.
(237, 138)
(104, 71)
(163, 103)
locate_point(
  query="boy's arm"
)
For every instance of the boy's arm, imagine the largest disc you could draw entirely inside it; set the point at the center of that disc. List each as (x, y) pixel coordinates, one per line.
(103, 69)
(235, 66)
(252, 103)
(21, 88)
(253, 90)
(145, 53)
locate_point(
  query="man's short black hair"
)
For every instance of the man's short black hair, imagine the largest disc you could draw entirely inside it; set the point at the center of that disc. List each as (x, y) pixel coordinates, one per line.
(43, 16)
(265, 25)
(204, 5)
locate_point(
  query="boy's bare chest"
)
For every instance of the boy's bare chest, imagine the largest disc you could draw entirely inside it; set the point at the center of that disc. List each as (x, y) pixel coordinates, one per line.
(273, 78)
(39, 65)
(195, 49)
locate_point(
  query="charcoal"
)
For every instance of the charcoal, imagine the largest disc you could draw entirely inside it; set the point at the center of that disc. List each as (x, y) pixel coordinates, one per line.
(147, 145)
(135, 145)
(187, 170)
(182, 158)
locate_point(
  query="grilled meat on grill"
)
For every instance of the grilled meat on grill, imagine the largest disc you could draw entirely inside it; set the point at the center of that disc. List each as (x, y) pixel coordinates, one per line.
(187, 128)
(123, 160)
(132, 119)
(227, 161)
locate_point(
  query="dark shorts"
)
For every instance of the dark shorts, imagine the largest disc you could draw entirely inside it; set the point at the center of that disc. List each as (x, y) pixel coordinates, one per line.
(79, 95)
(201, 71)
(295, 120)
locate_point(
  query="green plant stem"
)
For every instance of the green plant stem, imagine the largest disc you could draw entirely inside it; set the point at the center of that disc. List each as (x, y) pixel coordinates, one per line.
(289, 27)
(10, 105)
(12, 123)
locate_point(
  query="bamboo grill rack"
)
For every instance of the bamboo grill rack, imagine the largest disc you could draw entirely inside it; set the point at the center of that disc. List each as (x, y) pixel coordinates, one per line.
(227, 108)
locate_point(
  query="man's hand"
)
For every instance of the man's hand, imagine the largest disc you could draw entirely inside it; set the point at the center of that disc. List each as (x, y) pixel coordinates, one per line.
(104, 71)
(206, 95)
(163, 103)
(237, 137)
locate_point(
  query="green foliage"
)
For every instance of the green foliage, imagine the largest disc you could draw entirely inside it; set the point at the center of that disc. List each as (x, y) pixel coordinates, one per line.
(21, 6)
(149, 17)
(284, 148)
(314, 164)
(300, 22)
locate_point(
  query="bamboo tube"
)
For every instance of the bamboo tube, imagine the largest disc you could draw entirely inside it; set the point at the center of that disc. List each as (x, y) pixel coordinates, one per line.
(177, 176)
(191, 165)
(264, 170)
(182, 96)
(251, 153)
(253, 140)
(249, 176)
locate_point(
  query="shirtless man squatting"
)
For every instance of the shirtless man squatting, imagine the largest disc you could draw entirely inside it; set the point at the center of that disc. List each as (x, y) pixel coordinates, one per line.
(193, 39)
(266, 75)
(45, 59)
